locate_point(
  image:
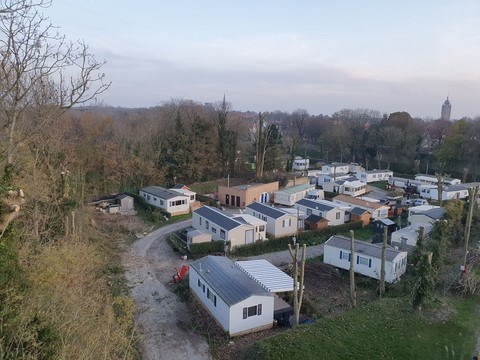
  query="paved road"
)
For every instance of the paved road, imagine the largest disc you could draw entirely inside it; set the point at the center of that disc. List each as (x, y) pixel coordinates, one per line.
(282, 258)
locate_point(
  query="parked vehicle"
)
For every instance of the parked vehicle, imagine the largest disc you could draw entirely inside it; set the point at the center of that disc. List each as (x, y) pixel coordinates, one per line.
(416, 202)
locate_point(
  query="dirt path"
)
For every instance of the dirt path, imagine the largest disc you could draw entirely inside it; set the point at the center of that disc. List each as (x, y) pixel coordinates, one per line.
(150, 266)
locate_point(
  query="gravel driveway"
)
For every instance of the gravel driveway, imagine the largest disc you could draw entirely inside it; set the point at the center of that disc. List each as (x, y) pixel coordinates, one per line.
(150, 265)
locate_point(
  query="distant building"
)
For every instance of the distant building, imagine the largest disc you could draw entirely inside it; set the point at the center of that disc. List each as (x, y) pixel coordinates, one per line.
(446, 110)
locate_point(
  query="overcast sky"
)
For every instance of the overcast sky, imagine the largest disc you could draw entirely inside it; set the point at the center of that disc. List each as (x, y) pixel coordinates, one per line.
(265, 55)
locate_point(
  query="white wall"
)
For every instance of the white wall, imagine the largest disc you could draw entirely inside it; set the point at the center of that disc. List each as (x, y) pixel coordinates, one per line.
(219, 312)
(165, 203)
(332, 256)
(239, 325)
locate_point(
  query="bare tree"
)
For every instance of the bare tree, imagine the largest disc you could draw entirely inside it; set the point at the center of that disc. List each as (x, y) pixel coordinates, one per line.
(297, 286)
(40, 69)
(41, 76)
(353, 291)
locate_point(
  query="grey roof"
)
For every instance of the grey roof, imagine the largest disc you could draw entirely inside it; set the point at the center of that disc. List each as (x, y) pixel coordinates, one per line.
(386, 222)
(227, 280)
(161, 192)
(358, 211)
(375, 171)
(435, 214)
(315, 205)
(362, 247)
(270, 211)
(314, 218)
(458, 187)
(218, 217)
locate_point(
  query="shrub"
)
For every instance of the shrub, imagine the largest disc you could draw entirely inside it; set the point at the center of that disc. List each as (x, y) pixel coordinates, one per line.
(206, 248)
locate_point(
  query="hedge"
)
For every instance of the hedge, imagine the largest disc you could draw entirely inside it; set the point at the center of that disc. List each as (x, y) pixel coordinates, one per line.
(206, 248)
(309, 238)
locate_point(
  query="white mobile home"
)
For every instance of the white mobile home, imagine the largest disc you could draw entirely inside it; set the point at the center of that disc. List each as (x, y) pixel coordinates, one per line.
(406, 239)
(350, 186)
(168, 200)
(240, 229)
(326, 209)
(376, 209)
(289, 196)
(374, 175)
(367, 258)
(236, 302)
(336, 168)
(300, 164)
(450, 192)
(279, 222)
(433, 180)
(425, 214)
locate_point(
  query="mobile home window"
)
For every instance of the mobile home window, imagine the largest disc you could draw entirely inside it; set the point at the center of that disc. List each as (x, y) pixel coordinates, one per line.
(207, 224)
(200, 221)
(214, 230)
(252, 311)
(199, 283)
(222, 234)
(363, 261)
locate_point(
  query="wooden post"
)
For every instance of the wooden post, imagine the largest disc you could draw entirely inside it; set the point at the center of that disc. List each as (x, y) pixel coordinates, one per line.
(382, 266)
(297, 288)
(472, 198)
(353, 293)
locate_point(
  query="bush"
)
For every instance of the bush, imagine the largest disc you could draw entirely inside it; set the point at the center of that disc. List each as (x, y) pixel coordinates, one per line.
(207, 248)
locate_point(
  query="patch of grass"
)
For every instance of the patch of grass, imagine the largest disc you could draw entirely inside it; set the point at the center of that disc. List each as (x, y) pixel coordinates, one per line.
(378, 184)
(386, 329)
(204, 187)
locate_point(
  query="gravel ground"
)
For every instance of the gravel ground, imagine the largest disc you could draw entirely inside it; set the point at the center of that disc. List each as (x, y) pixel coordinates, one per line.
(150, 265)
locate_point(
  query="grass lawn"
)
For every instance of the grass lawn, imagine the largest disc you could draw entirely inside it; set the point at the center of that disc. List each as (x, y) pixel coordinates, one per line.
(378, 184)
(386, 329)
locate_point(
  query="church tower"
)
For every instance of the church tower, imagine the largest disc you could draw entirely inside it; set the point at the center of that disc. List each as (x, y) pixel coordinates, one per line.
(446, 110)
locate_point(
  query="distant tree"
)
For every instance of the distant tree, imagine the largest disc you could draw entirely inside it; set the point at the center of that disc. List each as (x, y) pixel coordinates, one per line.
(227, 141)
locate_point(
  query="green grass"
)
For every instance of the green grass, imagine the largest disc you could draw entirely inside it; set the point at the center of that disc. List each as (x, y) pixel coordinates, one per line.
(204, 187)
(378, 184)
(386, 329)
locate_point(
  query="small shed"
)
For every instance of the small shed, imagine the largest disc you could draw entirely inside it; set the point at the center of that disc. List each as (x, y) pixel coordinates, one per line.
(198, 236)
(379, 226)
(126, 202)
(315, 222)
(359, 214)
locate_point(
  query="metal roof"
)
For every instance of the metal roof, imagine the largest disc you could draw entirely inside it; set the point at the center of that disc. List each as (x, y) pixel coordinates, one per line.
(316, 205)
(435, 214)
(358, 211)
(218, 217)
(375, 171)
(356, 201)
(227, 280)
(295, 189)
(161, 192)
(315, 218)
(386, 222)
(267, 275)
(268, 210)
(362, 247)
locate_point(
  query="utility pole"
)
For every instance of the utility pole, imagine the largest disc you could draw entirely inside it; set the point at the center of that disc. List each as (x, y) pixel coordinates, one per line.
(353, 293)
(297, 288)
(472, 198)
(382, 268)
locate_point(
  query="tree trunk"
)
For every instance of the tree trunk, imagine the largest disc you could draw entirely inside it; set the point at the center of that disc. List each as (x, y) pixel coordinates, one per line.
(353, 293)
(382, 267)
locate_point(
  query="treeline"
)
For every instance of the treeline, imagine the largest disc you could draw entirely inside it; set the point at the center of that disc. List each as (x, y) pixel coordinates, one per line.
(185, 141)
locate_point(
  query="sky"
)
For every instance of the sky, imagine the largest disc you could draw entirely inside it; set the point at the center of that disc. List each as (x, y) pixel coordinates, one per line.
(267, 55)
